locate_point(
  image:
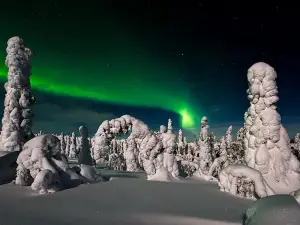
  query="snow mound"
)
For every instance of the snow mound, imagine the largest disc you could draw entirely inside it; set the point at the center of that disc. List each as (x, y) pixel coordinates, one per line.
(90, 173)
(162, 174)
(273, 210)
(80, 174)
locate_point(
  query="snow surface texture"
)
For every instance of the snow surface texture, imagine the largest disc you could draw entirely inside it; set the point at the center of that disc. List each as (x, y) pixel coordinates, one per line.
(266, 141)
(17, 116)
(273, 210)
(42, 166)
(125, 201)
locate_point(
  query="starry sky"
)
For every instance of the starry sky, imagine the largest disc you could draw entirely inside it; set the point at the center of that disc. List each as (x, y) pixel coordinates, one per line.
(97, 60)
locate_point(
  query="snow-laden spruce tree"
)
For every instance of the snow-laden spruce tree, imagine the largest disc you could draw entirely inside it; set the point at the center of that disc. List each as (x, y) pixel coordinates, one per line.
(73, 147)
(169, 146)
(297, 145)
(101, 147)
(221, 161)
(237, 148)
(84, 147)
(228, 139)
(212, 141)
(68, 143)
(63, 144)
(180, 144)
(205, 157)
(115, 160)
(130, 155)
(17, 116)
(185, 144)
(267, 142)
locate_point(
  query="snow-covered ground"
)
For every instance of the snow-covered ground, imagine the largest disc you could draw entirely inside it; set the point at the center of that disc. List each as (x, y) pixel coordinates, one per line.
(126, 199)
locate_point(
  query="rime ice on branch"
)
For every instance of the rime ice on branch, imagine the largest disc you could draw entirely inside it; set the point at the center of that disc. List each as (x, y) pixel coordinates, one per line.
(267, 142)
(17, 117)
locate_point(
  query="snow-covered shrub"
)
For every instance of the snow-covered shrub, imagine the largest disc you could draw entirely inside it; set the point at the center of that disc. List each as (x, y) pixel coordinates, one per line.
(42, 166)
(238, 180)
(41, 160)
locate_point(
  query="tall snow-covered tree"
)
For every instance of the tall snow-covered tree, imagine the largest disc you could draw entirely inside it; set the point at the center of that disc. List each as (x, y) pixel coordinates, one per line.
(266, 141)
(73, 147)
(63, 143)
(180, 144)
(84, 147)
(205, 156)
(17, 116)
(229, 137)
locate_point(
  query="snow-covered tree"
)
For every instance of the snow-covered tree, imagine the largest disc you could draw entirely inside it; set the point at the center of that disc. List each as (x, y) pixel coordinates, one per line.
(130, 156)
(267, 142)
(180, 144)
(205, 157)
(63, 143)
(150, 145)
(297, 145)
(101, 147)
(221, 161)
(115, 160)
(84, 147)
(17, 116)
(237, 148)
(73, 149)
(240, 135)
(185, 145)
(169, 146)
(229, 137)
(68, 144)
(212, 141)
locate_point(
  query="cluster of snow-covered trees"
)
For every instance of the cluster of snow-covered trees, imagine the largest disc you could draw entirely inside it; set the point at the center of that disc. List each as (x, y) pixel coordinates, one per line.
(260, 161)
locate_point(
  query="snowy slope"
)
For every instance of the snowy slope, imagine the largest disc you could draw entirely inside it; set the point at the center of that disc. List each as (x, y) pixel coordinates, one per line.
(123, 201)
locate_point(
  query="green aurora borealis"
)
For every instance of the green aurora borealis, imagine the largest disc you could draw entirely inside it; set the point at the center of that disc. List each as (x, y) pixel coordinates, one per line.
(128, 88)
(113, 64)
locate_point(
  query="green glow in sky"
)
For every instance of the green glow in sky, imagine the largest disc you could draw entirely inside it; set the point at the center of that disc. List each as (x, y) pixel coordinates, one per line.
(135, 88)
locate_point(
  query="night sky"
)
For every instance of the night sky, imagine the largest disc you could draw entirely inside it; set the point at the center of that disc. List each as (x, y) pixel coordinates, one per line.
(155, 60)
